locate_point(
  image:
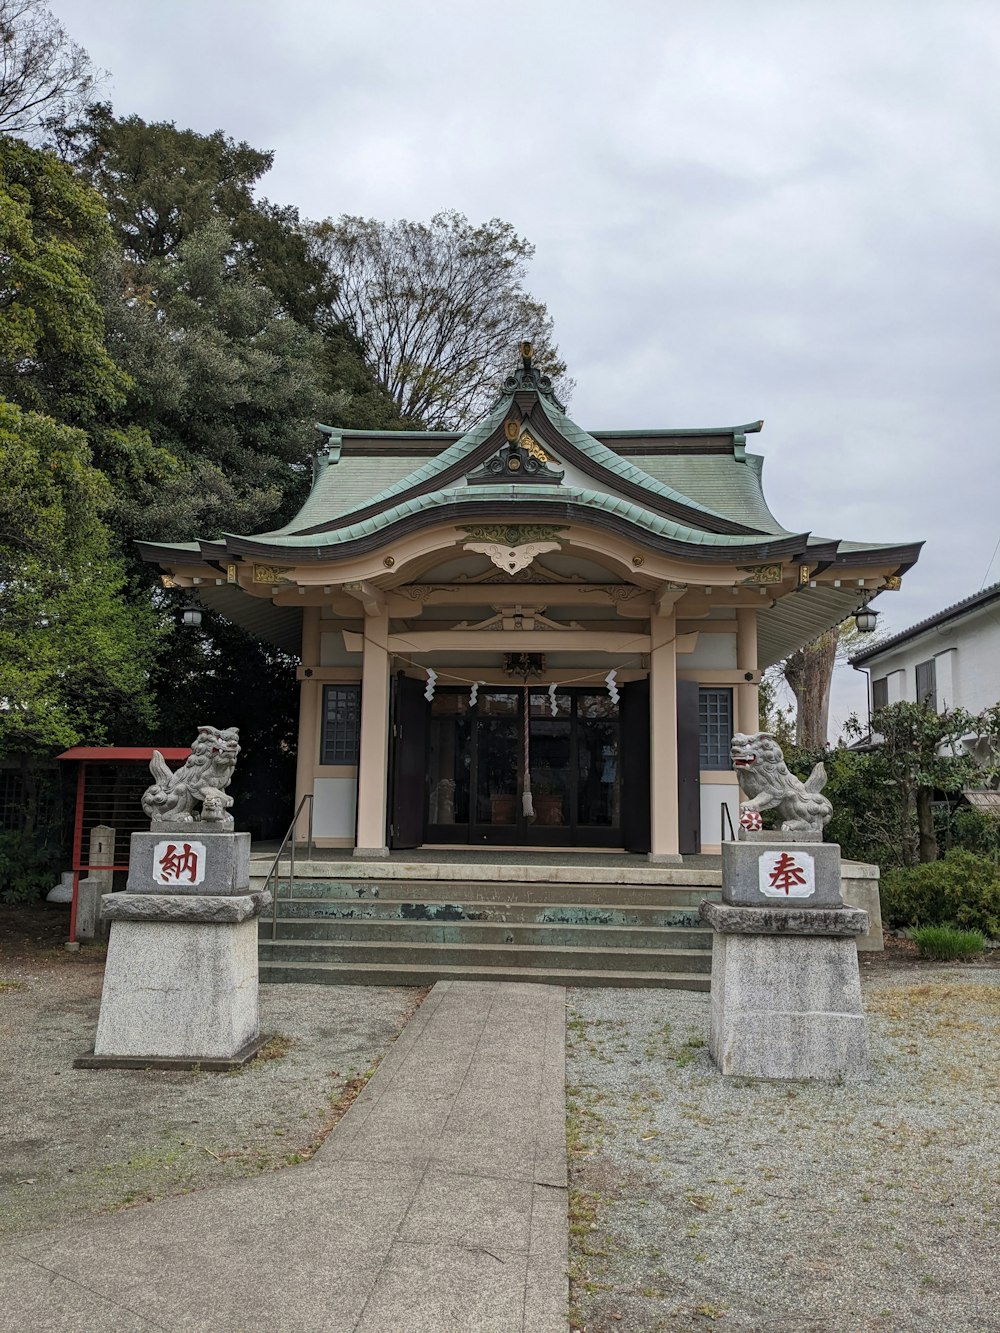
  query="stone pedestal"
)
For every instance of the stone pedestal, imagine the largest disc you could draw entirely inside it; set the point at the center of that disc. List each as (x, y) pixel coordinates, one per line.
(180, 984)
(192, 861)
(786, 993)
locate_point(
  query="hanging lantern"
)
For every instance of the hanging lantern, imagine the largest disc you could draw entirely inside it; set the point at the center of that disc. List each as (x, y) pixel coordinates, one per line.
(191, 616)
(866, 619)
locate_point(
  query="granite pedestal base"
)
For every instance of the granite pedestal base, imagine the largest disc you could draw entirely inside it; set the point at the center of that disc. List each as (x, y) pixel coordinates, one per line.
(786, 993)
(181, 979)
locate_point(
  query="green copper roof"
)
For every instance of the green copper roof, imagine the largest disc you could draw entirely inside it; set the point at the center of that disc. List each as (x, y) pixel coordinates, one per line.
(705, 496)
(731, 487)
(485, 495)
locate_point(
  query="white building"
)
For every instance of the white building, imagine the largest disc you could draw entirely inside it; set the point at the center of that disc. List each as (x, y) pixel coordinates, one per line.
(950, 660)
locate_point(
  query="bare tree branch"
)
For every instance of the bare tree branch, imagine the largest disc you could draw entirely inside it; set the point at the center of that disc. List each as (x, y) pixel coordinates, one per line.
(44, 75)
(438, 309)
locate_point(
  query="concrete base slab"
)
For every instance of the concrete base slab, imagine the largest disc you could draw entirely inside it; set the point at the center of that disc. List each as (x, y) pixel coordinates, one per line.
(209, 1065)
(179, 990)
(787, 1007)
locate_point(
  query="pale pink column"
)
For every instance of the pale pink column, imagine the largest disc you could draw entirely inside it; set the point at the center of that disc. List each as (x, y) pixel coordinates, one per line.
(373, 761)
(310, 693)
(664, 821)
(747, 696)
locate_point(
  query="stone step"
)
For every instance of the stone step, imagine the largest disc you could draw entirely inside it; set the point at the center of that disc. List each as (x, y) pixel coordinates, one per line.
(497, 891)
(429, 955)
(574, 871)
(409, 974)
(552, 936)
(537, 913)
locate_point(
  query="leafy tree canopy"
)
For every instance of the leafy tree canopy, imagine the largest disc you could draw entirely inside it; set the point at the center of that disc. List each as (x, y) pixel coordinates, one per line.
(73, 653)
(438, 309)
(162, 184)
(53, 237)
(226, 387)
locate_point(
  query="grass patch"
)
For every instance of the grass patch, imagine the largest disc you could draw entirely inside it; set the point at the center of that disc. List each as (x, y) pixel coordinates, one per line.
(10, 986)
(275, 1049)
(933, 997)
(945, 943)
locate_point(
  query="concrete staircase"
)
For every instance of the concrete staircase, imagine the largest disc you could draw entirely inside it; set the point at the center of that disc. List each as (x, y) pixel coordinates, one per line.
(412, 924)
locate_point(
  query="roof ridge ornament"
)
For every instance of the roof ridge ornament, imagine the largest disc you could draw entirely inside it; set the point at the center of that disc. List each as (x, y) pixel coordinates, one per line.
(527, 376)
(521, 459)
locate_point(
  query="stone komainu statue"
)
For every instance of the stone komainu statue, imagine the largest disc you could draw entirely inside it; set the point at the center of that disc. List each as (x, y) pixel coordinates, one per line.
(767, 784)
(202, 780)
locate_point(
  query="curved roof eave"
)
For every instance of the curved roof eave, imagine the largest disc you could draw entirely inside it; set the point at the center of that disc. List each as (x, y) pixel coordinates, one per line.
(546, 504)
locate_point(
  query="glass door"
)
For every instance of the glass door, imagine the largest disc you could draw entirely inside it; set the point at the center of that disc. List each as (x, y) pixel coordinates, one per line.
(476, 768)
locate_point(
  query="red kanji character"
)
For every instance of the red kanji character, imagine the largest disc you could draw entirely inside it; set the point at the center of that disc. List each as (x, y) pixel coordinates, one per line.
(174, 864)
(786, 873)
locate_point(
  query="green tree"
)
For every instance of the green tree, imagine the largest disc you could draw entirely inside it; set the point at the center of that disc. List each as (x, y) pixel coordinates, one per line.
(226, 388)
(920, 752)
(74, 655)
(438, 309)
(162, 184)
(54, 236)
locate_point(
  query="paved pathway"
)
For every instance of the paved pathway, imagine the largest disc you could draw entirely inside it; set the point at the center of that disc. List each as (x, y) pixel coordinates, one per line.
(438, 1205)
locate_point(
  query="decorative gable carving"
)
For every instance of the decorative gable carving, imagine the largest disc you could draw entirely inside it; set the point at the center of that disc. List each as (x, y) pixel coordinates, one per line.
(521, 459)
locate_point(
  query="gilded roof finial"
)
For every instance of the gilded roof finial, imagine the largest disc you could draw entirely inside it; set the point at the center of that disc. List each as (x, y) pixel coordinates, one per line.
(525, 349)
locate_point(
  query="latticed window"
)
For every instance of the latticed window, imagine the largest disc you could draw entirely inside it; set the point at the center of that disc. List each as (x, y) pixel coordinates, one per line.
(880, 693)
(341, 724)
(927, 684)
(715, 728)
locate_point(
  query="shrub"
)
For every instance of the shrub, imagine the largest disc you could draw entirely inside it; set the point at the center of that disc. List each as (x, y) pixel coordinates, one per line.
(961, 889)
(27, 870)
(974, 830)
(946, 942)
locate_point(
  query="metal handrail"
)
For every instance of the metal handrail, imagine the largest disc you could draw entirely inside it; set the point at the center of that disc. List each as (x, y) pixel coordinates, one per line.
(272, 874)
(726, 818)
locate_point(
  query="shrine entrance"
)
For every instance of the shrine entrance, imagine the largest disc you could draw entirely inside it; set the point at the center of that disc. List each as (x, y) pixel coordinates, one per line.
(476, 767)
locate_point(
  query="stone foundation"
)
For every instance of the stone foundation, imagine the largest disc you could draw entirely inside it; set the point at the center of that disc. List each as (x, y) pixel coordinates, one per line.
(181, 978)
(786, 993)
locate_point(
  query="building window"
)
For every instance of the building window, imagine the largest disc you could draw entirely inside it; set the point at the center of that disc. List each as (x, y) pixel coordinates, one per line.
(927, 684)
(341, 724)
(715, 728)
(880, 693)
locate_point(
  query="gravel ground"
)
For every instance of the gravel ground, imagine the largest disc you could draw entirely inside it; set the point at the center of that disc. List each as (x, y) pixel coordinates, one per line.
(75, 1142)
(804, 1208)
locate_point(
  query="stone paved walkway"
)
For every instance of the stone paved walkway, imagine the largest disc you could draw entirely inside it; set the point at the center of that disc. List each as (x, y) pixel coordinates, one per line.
(438, 1205)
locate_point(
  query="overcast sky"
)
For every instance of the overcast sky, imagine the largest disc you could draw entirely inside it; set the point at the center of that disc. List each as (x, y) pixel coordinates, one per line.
(772, 208)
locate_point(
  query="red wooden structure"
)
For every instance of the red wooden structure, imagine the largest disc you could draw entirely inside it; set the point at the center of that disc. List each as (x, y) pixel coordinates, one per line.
(109, 786)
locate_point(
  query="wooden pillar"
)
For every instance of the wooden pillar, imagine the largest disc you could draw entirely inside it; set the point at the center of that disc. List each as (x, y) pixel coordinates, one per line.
(373, 784)
(310, 698)
(747, 717)
(664, 822)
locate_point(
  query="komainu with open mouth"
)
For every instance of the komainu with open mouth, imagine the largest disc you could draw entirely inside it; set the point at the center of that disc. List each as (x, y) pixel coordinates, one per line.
(767, 784)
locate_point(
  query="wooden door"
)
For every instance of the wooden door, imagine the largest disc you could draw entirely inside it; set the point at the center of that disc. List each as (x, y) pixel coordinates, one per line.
(688, 769)
(635, 812)
(408, 774)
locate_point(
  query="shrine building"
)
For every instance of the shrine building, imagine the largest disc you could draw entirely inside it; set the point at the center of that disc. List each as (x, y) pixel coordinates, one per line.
(530, 635)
